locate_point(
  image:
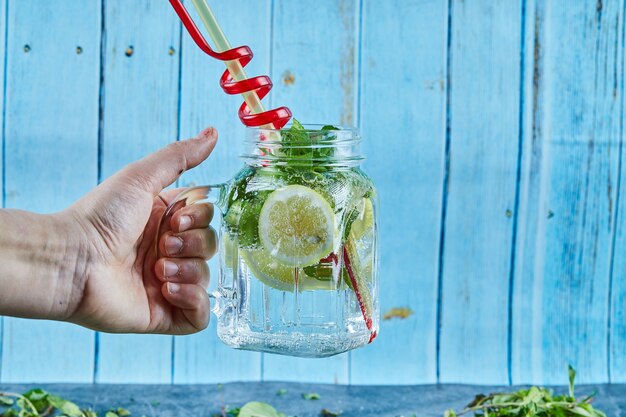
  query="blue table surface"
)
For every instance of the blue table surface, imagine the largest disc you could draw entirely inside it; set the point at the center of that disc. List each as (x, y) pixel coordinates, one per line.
(361, 401)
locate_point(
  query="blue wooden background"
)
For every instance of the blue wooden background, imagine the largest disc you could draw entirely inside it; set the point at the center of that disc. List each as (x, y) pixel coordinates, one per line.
(494, 133)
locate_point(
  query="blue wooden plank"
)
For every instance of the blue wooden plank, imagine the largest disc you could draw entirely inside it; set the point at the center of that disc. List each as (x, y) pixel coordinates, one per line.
(617, 328)
(617, 317)
(141, 73)
(202, 358)
(314, 67)
(572, 127)
(403, 125)
(483, 123)
(3, 32)
(51, 147)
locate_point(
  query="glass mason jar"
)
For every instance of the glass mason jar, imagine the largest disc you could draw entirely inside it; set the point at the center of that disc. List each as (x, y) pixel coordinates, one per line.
(298, 244)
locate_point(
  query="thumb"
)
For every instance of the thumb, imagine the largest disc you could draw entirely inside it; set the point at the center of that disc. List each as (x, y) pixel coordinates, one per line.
(161, 168)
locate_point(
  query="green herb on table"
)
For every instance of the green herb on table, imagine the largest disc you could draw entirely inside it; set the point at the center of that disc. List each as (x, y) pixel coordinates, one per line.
(311, 396)
(39, 403)
(281, 391)
(327, 413)
(254, 409)
(539, 402)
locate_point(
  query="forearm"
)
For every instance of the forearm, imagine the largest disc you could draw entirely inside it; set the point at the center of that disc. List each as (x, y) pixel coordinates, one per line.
(38, 263)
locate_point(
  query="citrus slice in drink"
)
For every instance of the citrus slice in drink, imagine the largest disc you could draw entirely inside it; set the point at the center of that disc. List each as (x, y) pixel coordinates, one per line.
(365, 219)
(297, 226)
(271, 272)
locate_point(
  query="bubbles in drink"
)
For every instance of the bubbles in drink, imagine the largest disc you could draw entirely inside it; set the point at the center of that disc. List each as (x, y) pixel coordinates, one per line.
(299, 249)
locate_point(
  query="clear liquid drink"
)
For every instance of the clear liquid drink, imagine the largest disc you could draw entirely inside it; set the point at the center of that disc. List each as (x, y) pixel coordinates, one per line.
(298, 244)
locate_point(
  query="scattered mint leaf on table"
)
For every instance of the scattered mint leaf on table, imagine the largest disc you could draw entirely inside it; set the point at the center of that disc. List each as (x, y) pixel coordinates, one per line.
(39, 403)
(122, 412)
(66, 407)
(531, 402)
(252, 409)
(311, 396)
(281, 391)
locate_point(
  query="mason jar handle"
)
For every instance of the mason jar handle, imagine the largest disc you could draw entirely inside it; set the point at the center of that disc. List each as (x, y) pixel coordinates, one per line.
(213, 194)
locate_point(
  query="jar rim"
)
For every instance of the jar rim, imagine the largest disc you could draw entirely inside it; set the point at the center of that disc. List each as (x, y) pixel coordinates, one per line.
(342, 134)
(327, 147)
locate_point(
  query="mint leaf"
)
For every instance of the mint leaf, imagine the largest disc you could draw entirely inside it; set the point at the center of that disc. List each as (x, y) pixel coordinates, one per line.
(311, 396)
(37, 397)
(572, 377)
(258, 409)
(6, 401)
(535, 401)
(304, 149)
(66, 407)
(321, 271)
(351, 217)
(232, 411)
(296, 125)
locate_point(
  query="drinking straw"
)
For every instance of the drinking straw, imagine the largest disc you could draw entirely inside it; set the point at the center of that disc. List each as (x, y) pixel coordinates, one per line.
(235, 80)
(221, 44)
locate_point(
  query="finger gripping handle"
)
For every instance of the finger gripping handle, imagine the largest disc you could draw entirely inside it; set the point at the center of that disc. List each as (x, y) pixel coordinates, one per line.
(213, 194)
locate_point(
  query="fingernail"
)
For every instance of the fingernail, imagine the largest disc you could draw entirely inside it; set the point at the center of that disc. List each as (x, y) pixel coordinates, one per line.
(173, 245)
(184, 223)
(209, 133)
(173, 287)
(170, 268)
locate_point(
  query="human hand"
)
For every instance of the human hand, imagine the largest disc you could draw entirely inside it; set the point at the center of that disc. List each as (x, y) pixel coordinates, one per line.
(119, 284)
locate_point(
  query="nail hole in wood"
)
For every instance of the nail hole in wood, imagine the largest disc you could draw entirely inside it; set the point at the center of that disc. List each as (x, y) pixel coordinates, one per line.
(26, 48)
(171, 51)
(79, 50)
(129, 51)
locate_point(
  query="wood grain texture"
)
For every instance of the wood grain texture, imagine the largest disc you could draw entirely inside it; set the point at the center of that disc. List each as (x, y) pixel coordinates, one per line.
(141, 73)
(314, 70)
(3, 33)
(51, 136)
(438, 92)
(483, 116)
(572, 128)
(617, 312)
(404, 49)
(203, 358)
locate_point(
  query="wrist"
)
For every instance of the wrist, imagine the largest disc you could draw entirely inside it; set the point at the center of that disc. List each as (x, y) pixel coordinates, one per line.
(39, 257)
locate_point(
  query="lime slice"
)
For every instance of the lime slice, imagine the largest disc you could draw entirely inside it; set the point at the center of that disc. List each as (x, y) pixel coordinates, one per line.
(297, 225)
(271, 272)
(365, 220)
(230, 250)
